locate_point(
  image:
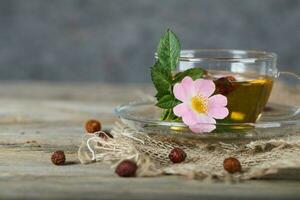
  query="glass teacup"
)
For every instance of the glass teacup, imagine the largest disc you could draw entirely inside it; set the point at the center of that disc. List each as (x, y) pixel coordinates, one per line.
(244, 77)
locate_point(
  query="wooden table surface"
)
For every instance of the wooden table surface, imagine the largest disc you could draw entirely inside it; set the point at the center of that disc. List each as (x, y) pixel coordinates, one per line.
(38, 118)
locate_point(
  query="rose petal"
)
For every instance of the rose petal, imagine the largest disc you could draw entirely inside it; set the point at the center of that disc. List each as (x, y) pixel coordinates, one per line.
(217, 101)
(204, 87)
(183, 90)
(184, 111)
(202, 128)
(190, 117)
(205, 124)
(180, 109)
(218, 112)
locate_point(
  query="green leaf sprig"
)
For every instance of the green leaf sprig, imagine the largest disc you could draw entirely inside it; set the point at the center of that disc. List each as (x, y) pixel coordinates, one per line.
(168, 52)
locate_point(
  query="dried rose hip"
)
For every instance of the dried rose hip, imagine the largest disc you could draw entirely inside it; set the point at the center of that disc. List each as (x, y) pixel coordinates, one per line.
(92, 126)
(105, 134)
(232, 165)
(268, 109)
(177, 155)
(58, 158)
(224, 85)
(126, 168)
(231, 78)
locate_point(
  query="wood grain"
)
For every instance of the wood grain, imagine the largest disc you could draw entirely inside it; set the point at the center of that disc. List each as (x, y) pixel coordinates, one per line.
(38, 118)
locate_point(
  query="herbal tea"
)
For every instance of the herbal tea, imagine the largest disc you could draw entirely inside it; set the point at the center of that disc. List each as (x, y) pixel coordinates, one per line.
(246, 95)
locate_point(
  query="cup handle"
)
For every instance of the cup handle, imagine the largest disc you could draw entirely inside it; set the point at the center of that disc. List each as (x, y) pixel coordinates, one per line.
(295, 81)
(289, 74)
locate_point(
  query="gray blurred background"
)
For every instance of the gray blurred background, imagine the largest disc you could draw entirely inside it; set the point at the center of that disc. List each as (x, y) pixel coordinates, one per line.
(114, 41)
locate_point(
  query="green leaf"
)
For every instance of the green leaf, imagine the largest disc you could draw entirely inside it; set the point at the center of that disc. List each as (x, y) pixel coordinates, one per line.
(168, 115)
(168, 50)
(194, 73)
(165, 114)
(160, 94)
(161, 78)
(167, 102)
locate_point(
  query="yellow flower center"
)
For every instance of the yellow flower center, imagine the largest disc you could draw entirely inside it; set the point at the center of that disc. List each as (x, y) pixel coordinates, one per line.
(199, 104)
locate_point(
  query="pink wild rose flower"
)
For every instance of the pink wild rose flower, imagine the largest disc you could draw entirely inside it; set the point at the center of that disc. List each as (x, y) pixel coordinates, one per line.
(199, 109)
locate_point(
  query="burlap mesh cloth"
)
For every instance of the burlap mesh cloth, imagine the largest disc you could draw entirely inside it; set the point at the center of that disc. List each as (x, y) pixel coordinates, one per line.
(275, 158)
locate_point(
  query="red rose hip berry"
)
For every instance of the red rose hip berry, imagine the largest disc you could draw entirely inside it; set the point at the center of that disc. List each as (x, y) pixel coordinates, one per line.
(105, 135)
(232, 165)
(126, 168)
(58, 158)
(177, 155)
(92, 126)
(225, 85)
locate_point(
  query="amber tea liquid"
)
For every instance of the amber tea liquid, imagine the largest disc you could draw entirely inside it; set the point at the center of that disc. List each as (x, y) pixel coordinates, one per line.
(246, 95)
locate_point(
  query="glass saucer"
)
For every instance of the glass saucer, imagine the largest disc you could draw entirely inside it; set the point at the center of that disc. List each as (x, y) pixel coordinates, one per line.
(277, 120)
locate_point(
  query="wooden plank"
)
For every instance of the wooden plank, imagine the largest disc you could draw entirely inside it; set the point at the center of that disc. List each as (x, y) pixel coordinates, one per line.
(87, 92)
(30, 174)
(38, 118)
